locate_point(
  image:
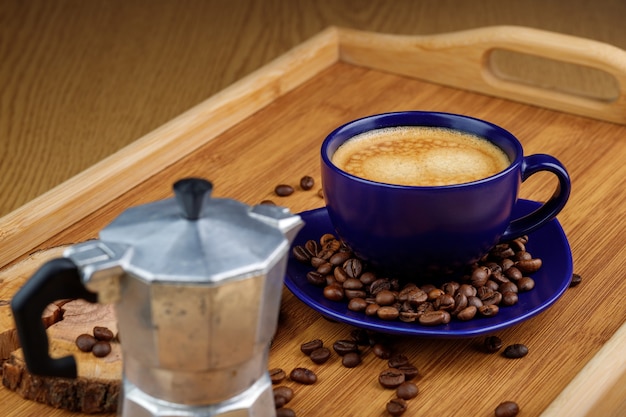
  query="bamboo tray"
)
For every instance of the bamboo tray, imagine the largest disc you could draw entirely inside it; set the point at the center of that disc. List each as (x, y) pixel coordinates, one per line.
(267, 128)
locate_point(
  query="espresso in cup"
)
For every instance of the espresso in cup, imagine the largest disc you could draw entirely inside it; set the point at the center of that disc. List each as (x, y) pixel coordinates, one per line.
(420, 156)
(414, 192)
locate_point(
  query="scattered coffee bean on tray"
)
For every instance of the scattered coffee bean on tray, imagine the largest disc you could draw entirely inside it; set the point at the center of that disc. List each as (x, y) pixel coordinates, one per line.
(507, 409)
(277, 375)
(397, 406)
(101, 349)
(268, 203)
(282, 395)
(351, 359)
(407, 390)
(307, 182)
(285, 412)
(576, 279)
(310, 346)
(303, 376)
(515, 351)
(283, 190)
(85, 342)
(103, 333)
(391, 378)
(320, 356)
(492, 344)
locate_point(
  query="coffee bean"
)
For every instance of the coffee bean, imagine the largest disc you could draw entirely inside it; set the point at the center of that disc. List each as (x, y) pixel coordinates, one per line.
(474, 301)
(283, 190)
(367, 278)
(492, 344)
(385, 298)
(467, 290)
(310, 346)
(326, 238)
(398, 360)
(382, 351)
(352, 284)
(576, 279)
(508, 287)
(320, 356)
(391, 378)
(488, 310)
(343, 347)
(313, 247)
(284, 392)
(467, 313)
(101, 349)
(85, 342)
(387, 313)
(434, 318)
(103, 333)
(515, 351)
(320, 193)
(325, 268)
(379, 285)
(526, 284)
(480, 276)
(351, 359)
(339, 258)
(407, 391)
(267, 203)
(506, 409)
(301, 254)
(409, 371)
(334, 292)
(529, 265)
(315, 278)
(493, 298)
(522, 256)
(509, 298)
(285, 412)
(396, 406)
(353, 267)
(444, 302)
(372, 309)
(279, 401)
(277, 375)
(340, 274)
(357, 304)
(513, 273)
(307, 182)
(303, 376)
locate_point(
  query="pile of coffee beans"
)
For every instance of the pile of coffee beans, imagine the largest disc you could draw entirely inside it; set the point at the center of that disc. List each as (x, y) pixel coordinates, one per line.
(98, 343)
(494, 281)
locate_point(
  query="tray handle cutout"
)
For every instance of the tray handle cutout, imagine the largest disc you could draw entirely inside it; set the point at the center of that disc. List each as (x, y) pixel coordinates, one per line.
(528, 65)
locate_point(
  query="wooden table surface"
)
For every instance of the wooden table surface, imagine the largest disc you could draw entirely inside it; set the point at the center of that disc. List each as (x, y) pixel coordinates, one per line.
(68, 113)
(81, 79)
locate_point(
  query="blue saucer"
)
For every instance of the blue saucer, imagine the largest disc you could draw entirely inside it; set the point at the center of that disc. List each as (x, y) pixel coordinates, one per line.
(548, 243)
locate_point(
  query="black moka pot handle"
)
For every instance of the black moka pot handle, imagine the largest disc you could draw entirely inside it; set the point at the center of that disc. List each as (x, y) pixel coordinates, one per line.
(56, 280)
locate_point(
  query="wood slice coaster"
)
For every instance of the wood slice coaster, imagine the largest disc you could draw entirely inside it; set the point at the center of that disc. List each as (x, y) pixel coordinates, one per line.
(99, 379)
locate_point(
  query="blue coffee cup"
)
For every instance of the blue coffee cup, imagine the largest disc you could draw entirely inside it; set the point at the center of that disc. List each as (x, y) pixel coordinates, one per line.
(414, 230)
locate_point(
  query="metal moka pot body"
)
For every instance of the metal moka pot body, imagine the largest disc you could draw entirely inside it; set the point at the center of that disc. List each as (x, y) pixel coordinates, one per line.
(196, 283)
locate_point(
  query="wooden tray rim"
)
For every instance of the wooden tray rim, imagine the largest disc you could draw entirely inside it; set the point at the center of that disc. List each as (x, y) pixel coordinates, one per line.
(24, 229)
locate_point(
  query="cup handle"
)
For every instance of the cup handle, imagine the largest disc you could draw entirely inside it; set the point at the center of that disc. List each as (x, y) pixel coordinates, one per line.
(57, 279)
(530, 222)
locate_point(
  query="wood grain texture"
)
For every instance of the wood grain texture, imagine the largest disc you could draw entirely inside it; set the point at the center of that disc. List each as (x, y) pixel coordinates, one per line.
(247, 160)
(79, 80)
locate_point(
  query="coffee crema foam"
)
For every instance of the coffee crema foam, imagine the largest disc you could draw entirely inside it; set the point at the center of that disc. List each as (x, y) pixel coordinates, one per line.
(420, 156)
